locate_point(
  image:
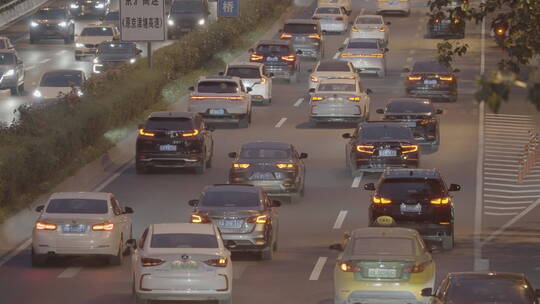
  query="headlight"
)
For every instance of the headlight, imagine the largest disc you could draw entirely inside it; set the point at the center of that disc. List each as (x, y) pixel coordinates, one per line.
(96, 60)
(74, 5)
(100, 5)
(33, 24)
(79, 45)
(62, 24)
(9, 73)
(132, 60)
(170, 22)
(79, 93)
(37, 94)
(201, 22)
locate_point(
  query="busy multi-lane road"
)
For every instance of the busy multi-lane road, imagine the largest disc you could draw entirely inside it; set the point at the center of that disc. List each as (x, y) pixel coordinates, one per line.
(301, 271)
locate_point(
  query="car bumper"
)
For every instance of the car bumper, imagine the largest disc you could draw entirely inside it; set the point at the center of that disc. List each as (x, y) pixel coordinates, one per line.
(88, 10)
(379, 164)
(327, 26)
(247, 242)
(280, 71)
(367, 65)
(214, 113)
(370, 34)
(73, 245)
(156, 161)
(443, 31)
(431, 93)
(260, 93)
(212, 286)
(384, 293)
(311, 51)
(50, 33)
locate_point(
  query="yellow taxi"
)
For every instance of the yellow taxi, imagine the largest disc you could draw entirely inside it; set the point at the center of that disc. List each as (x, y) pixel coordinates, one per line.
(382, 265)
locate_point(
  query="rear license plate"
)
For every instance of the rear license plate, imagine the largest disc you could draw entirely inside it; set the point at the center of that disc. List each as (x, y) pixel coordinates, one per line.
(230, 223)
(300, 39)
(262, 175)
(167, 148)
(446, 21)
(73, 228)
(411, 208)
(430, 81)
(411, 124)
(216, 111)
(184, 265)
(272, 59)
(382, 273)
(387, 152)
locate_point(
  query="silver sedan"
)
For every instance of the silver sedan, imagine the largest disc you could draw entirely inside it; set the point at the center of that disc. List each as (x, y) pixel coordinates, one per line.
(370, 26)
(332, 19)
(366, 55)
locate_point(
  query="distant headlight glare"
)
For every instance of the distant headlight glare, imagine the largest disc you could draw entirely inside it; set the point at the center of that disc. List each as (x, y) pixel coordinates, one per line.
(9, 73)
(132, 60)
(62, 24)
(170, 22)
(96, 60)
(74, 5)
(33, 24)
(79, 45)
(100, 5)
(201, 22)
(37, 94)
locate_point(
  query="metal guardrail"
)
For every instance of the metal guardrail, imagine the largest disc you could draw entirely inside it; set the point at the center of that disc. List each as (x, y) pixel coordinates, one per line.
(531, 153)
(10, 4)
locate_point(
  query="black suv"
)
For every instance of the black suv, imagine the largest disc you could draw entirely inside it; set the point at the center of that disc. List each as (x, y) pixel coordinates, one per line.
(52, 23)
(89, 7)
(419, 115)
(305, 35)
(279, 58)
(417, 199)
(430, 79)
(376, 145)
(445, 27)
(174, 140)
(187, 15)
(111, 54)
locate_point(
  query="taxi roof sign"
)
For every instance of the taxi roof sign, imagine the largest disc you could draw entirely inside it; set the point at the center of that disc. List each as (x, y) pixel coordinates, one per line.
(384, 221)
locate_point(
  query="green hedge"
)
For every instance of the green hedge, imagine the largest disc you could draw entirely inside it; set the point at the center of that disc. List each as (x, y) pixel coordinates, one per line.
(46, 140)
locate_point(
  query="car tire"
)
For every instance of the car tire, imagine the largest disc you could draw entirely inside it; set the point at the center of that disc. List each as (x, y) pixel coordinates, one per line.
(21, 89)
(140, 169)
(201, 169)
(243, 122)
(448, 241)
(14, 91)
(38, 260)
(294, 77)
(116, 260)
(267, 254)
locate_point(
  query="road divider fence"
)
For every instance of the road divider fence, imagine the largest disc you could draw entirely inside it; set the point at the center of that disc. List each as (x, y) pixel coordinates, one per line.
(12, 10)
(531, 153)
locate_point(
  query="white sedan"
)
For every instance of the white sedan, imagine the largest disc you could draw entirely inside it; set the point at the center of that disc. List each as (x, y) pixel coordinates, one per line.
(370, 26)
(56, 83)
(331, 69)
(81, 224)
(254, 76)
(332, 19)
(181, 261)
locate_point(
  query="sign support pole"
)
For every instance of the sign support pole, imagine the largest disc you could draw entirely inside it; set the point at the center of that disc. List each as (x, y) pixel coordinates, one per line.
(149, 53)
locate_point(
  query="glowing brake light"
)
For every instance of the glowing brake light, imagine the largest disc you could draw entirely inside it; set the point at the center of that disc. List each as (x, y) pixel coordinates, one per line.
(349, 267)
(354, 29)
(106, 226)
(199, 219)
(285, 166)
(446, 78)
(317, 98)
(409, 148)
(365, 148)
(355, 98)
(143, 132)
(381, 200)
(263, 81)
(241, 166)
(313, 79)
(314, 36)
(220, 262)
(425, 121)
(440, 201)
(41, 225)
(456, 20)
(500, 31)
(150, 262)
(382, 29)
(289, 58)
(256, 57)
(414, 78)
(285, 36)
(259, 219)
(191, 134)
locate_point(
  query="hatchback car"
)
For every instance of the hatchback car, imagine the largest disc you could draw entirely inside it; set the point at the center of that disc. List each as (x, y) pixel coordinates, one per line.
(339, 100)
(366, 55)
(5, 43)
(484, 287)
(244, 215)
(275, 166)
(394, 7)
(221, 99)
(89, 7)
(370, 26)
(305, 35)
(430, 79)
(112, 17)
(376, 145)
(346, 4)
(279, 58)
(187, 15)
(333, 19)
(58, 83)
(417, 199)
(331, 69)
(111, 54)
(445, 27)
(254, 76)
(174, 140)
(419, 115)
(11, 72)
(181, 262)
(382, 265)
(91, 36)
(81, 224)
(52, 23)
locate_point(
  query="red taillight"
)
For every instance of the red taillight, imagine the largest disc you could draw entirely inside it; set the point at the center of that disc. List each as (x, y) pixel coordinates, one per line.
(256, 57)
(149, 262)
(416, 268)
(285, 36)
(414, 78)
(191, 133)
(409, 148)
(289, 58)
(106, 226)
(41, 225)
(339, 18)
(199, 219)
(259, 219)
(348, 266)
(143, 132)
(314, 36)
(220, 262)
(365, 148)
(440, 201)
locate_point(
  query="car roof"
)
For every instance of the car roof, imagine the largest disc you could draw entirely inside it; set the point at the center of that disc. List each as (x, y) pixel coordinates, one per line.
(81, 195)
(363, 40)
(232, 188)
(172, 114)
(480, 275)
(331, 63)
(220, 78)
(267, 144)
(245, 64)
(384, 232)
(338, 81)
(411, 173)
(183, 228)
(301, 21)
(274, 42)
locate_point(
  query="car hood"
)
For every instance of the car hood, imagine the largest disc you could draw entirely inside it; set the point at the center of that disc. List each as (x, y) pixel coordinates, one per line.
(4, 68)
(52, 92)
(93, 39)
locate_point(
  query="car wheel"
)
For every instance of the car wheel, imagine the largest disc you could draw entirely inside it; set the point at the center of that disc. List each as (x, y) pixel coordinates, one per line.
(267, 253)
(32, 40)
(201, 169)
(14, 91)
(116, 260)
(67, 40)
(448, 241)
(21, 88)
(140, 169)
(243, 122)
(127, 249)
(38, 260)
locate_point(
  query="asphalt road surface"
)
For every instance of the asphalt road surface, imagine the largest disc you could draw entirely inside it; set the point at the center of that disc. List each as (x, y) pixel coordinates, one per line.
(301, 271)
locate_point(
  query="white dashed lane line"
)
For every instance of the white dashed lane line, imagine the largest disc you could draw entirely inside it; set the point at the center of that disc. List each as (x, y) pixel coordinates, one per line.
(281, 122)
(357, 180)
(45, 60)
(28, 68)
(340, 218)
(70, 272)
(317, 269)
(298, 102)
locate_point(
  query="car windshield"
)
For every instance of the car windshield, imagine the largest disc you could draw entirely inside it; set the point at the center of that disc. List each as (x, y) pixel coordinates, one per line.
(77, 205)
(401, 189)
(265, 153)
(112, 16)
(386, 132)
(187, 7)
(50, 14)
(300, 28)
(7, 59)
(169, 123)
(488, 290)
(368, 20)
(61, 79)
(97, 31)
(410, 107)
(244, 72)
(272, 49)
(218, 87)
(429, 67)
(363, 45)
(183, 240)
(230, 199)
(327, 10)
(336, 87)
(383, 246)
(108, 47)
(334, 66)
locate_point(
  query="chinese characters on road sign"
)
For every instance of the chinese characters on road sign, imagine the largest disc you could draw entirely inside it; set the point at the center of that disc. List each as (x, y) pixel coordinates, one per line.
(142, 20)
(228, 8)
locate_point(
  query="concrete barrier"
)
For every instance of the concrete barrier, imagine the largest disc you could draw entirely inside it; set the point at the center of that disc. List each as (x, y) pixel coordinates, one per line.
(19, 10)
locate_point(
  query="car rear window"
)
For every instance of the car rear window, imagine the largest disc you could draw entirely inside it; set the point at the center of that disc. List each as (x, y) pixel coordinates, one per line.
(61, 79)
(409, 107)
(217, 87)
(336, 87)
(183, 240)
(300, 28)
(368, 20)
(383, 246)
(97, 31)
(327, 10)
(363, 45)
(267, 153)
(230, 199)
(108, 47)
(334, 66)
(385, 132)
(6, 59)
(80, 206)
(400, 189)
(429, 67)
(277, 49)
(244, 72)
(187, 6)
(489, 290)
(169, 123)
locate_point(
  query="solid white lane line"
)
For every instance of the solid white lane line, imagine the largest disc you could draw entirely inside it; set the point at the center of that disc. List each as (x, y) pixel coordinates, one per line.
(16, 251)
(281, 122)
(479, 204)
(500, 214)
(340, 218)
(500, 165)
(511, 222)
(298, 102)
(357, 180)
(512, 197)
(45, 60)
(335, 55)
(506, 202)
(108, 181)
(508, 115)
(515, 161)
(511, 191)
(28, 68)
(317, 269)
(70, 272)
(512, 186)
(505, 208)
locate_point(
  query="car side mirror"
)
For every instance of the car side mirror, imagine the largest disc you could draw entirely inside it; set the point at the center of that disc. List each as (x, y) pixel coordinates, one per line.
(379, 111)
(40, 208)
(299, 52)
(337, 246)
(439, 111)
(427, 292)
(251, 50)
(132, 243)
(341, 49)
(230, 244)
(369, 91)
(275, 203)
(128, 210)
(346, 135)
(369, 187)
(233, 154)
(457, 70)
(312, 90)
(191, 89)
(249, 89)
(303, 155)
(193, 202)
(406, 70)
(221, 73)
(454, 187)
